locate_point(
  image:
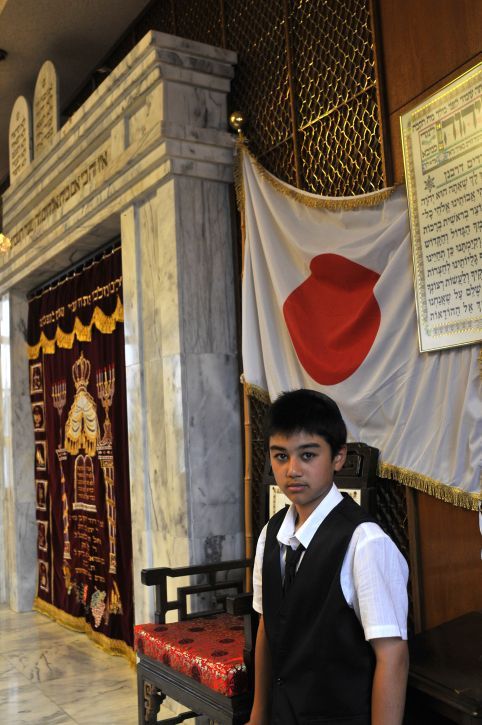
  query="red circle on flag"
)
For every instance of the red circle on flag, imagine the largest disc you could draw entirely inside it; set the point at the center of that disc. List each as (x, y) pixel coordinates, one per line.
(333, 318)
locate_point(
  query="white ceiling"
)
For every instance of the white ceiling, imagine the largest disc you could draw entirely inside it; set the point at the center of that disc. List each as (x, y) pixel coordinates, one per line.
(74, 34)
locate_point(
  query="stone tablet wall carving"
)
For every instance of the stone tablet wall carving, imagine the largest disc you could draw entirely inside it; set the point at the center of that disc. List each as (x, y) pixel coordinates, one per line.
(45, 108)
(19, 138)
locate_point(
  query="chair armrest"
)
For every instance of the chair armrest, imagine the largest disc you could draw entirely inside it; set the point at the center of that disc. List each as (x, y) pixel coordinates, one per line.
(158, 578)
(152, 577)
(240, 604)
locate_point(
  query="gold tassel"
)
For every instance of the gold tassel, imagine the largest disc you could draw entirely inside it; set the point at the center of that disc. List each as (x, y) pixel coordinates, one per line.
(106, 324)
(437, 489)
(78, 624)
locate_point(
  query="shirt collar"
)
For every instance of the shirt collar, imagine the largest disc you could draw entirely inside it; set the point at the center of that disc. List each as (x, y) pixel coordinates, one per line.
(286, 534)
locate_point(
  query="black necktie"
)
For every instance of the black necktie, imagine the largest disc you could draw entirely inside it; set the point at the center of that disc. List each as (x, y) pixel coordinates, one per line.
(291, 562)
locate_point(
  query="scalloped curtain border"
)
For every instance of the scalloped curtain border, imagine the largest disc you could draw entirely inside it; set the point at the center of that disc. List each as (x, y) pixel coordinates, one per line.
(78, 624)
(104, 323)
(425, 484)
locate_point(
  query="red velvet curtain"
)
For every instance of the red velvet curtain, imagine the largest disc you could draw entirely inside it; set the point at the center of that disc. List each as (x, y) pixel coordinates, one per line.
(78, 396)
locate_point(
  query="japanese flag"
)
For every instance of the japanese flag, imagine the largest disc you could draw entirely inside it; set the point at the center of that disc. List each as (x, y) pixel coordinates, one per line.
(328, 303)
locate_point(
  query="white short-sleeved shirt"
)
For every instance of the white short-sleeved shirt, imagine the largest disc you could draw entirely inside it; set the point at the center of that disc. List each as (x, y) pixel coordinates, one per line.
(373, 576)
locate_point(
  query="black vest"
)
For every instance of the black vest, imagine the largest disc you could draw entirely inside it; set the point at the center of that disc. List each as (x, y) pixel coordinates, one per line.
(322, 665)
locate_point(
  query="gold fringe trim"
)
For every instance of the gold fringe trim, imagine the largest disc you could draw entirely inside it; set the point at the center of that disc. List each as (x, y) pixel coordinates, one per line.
(238, 172)
(254, 391)
(314, 201)
(78, 624)
(104, 323)
(425, 484)
(449, 494)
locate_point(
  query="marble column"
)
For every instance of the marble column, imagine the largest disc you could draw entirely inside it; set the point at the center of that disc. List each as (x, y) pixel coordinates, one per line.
(182, 379)
(18, 466)
(5, 444)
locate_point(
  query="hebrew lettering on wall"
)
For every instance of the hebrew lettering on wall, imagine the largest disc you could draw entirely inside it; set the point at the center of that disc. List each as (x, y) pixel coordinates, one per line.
(442, 140)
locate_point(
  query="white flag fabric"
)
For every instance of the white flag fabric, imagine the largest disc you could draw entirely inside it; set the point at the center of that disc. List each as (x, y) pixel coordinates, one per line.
(328, 304)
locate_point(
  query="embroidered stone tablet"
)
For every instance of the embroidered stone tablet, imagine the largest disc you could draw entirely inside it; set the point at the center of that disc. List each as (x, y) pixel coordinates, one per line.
(19, 138)
(45, 108)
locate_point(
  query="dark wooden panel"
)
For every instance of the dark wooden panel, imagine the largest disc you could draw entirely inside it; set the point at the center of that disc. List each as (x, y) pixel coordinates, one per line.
(394, 118)
(450, 560)
(425, 45)
(424, 42)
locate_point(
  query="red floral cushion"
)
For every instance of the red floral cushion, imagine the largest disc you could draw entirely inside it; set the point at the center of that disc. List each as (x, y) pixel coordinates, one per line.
(208, 649)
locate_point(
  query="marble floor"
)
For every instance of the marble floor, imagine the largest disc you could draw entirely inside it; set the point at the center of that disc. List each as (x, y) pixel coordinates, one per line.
(50, 675)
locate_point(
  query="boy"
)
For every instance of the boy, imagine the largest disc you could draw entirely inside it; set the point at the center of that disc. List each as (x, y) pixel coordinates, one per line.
(331, 640)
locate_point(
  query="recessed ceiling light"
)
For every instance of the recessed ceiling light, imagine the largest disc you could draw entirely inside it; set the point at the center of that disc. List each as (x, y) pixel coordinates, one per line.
(3, 54)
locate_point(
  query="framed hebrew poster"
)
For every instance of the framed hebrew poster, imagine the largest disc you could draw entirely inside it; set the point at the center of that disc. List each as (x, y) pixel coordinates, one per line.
(442, 149)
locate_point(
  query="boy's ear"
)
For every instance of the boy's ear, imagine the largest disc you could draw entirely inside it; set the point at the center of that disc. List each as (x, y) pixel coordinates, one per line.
(339, 459)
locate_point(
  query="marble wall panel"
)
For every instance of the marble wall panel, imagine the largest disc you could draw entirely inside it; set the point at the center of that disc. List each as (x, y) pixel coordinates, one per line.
(131, 295)
(210, 367)
(163, 386)
(166, 253)
(183, 377)
(206, 108)
(140, 509)
(138, 474)
(214, 456)
(140, 120)
(5, 457)
(24, 578)
(207, 285)
(21, 504)
(3, 532)
(154, 394)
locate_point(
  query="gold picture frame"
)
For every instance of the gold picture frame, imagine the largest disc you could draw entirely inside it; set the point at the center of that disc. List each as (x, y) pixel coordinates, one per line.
(442, 152)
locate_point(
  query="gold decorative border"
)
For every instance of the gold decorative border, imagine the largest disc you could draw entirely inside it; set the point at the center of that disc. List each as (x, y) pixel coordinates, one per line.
(115, 647)
(437, 489)
(104, 323)
(424, 326)
(332, 203)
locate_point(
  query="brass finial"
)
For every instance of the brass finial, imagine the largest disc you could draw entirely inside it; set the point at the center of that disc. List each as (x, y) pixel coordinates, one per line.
(237, 120)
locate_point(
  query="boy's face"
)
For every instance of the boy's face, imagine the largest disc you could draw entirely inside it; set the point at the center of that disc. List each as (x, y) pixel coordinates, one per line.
(303, 467)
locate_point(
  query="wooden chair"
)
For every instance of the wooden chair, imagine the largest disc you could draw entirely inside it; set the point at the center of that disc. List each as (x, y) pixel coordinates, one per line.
(203, 660)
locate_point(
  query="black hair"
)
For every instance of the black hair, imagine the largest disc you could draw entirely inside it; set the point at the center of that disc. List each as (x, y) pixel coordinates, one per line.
(309, 411)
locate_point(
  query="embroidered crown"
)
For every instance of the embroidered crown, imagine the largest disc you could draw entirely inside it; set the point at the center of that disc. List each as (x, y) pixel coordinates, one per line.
(81, 372)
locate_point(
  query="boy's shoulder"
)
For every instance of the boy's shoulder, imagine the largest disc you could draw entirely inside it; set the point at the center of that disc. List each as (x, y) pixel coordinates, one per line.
(277, 519)
(353, 512)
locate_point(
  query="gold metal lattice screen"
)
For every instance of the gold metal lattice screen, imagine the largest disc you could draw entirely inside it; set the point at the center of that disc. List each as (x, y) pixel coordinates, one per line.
(305, 80)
